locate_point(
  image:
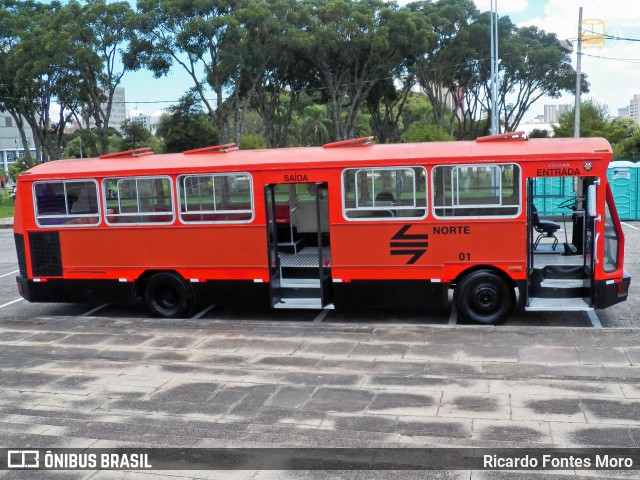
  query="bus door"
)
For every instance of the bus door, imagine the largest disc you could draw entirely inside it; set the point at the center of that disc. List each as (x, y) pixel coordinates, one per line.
(272, 244)
(560, 244)
(590, 236)
(299, 245)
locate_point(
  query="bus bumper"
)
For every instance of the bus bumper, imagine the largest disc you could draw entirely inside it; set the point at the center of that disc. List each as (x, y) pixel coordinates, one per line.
(608, 292)
(76, 291)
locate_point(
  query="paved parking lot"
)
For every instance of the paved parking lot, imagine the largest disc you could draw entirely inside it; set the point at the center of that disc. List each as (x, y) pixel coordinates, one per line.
(102, 376)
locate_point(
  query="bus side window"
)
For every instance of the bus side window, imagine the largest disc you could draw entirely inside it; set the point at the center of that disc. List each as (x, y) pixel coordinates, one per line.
(476, 190)
(216, 198)
(66, 202)
(138, 200)
(388, 192)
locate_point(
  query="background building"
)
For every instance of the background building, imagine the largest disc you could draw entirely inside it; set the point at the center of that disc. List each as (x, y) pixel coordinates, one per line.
(10, 143)
(634, 108)
(118, 110)
(552, 112)
(623, 112)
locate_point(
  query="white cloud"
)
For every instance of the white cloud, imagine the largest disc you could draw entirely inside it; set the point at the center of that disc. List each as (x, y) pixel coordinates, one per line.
(505, 7)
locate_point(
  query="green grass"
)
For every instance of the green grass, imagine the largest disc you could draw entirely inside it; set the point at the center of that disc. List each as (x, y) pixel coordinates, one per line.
(6, 206)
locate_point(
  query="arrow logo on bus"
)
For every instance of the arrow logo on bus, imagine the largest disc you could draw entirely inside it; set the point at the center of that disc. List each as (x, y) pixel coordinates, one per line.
(403, 243)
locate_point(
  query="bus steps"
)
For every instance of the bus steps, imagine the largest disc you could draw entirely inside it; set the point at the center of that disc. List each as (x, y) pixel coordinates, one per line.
(303, 304)
(292, 247)
(538, 304)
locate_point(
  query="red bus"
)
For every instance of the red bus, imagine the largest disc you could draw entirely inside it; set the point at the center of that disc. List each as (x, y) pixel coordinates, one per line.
(350, 223)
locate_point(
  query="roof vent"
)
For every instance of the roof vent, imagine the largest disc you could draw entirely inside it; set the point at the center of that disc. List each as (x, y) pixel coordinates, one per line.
(138, 152)
(503, 136)
(354, 142)
(227, 147)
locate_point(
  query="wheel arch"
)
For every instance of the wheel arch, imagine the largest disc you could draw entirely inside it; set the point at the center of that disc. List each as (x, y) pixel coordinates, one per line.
(147, 274)
(490, 268)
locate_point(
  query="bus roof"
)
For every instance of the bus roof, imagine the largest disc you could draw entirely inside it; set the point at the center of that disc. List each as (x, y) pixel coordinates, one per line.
(486, 149)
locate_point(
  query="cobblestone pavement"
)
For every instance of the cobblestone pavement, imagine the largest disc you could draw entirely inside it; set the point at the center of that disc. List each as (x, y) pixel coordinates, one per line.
(96, 382)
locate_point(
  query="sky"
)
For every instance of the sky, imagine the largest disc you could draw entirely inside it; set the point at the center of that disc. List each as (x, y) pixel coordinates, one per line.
(613, 71)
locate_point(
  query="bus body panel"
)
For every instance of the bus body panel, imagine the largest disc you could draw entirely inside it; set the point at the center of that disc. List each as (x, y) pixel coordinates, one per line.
(370, 251)
(212, 252)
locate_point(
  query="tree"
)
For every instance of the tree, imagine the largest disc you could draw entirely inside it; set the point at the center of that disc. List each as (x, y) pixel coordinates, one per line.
(593, 121)
(315, 126)
(98, 37)
(440, 60)
(135, 135)
(186, 126)
(276, 67)
(628, 149)
(426, 132)
(539, 133)
(203, 38)
(533, 65)
(37, 73)
(350, 46)
(386, 100)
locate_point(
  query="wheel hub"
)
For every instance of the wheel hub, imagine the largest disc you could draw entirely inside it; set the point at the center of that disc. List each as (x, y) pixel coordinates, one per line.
(485, 299)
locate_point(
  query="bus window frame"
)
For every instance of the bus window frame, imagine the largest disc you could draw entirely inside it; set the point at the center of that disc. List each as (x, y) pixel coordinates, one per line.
(457, 205)
(67, 214)
(181, 198)
(138, 213)
(373, 208)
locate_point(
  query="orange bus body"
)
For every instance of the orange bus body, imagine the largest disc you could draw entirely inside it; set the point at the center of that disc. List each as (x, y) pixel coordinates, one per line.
(428, 238)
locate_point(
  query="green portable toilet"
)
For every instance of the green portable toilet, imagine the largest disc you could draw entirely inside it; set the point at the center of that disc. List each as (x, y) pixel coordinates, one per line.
(552, 191)
(623, 178)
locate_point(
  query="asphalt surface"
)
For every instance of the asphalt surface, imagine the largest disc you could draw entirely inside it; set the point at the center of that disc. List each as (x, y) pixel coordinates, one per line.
(96, 376)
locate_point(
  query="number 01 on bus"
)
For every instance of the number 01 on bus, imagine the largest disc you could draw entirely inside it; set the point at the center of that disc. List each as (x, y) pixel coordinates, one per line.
(350, 223)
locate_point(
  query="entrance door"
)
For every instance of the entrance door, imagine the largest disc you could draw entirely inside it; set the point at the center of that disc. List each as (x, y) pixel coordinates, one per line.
(299, 215)
(559, 263)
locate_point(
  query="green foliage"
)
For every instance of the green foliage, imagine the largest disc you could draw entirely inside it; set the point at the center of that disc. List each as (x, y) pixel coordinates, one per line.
(17, 167)
(539, 133)
(290, 71)
(593, 121)
(252, 142)
(186, 126)
(135, 135)
(426, 132)
(622, 133)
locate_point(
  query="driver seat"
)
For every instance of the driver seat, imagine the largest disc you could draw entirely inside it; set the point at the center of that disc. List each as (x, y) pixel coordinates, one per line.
(545, 229)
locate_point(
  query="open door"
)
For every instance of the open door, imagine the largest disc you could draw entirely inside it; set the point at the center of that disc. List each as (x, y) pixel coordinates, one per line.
(300, 276)
(272, 244)
(560, 244)
(324, 250)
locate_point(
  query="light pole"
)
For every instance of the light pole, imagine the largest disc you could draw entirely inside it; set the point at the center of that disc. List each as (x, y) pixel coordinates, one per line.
(495, 116)
(576, 110)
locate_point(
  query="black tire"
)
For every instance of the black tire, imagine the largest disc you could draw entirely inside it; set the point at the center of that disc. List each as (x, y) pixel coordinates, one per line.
(167, 295)
(484, 297)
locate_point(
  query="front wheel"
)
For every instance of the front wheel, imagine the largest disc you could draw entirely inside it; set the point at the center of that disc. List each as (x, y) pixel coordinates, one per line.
(484, 297)
(167, 295)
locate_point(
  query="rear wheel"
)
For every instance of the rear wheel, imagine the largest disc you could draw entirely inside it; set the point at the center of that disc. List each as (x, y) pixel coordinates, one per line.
(484, 297)
(167, 295)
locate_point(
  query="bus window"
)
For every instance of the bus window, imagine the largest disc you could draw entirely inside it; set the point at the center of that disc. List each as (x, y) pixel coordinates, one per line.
(476, 191)
(139, 200)
(377, 193)
(69, 202)
(219, 198)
